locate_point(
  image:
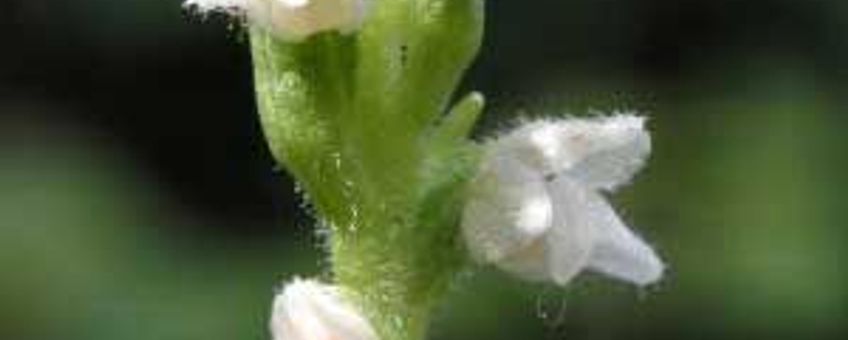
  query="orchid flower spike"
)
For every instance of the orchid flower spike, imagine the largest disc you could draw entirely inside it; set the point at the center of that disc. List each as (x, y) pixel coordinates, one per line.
(310, 310)
(536, 209)
(293, 20)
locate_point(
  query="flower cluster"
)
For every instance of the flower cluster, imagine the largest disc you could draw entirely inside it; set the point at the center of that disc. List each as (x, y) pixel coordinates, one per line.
(353, 120)
(536, 207)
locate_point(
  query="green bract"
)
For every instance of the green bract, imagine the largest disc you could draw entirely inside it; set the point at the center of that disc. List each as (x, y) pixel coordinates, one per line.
(363, 123)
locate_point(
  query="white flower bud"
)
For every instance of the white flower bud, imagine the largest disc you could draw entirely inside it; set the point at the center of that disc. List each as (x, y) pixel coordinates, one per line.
(309, 310)
(560, 166)
(293, 20)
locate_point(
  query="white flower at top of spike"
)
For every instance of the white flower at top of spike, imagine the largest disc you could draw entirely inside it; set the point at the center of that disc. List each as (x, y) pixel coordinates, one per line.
(293, 20)
(310, 310)
(535, 208)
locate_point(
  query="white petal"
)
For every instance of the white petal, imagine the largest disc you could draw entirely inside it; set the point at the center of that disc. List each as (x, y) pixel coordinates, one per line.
(507, 209)
(573, 235)
(309, 310)
(601, 152)
(617, 251)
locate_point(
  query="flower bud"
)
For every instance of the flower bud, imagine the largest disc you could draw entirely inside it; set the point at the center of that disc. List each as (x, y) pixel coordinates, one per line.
(293, 20)
(310, 310)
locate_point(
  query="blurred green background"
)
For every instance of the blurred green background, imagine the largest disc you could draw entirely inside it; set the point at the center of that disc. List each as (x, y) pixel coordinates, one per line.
(138, 200)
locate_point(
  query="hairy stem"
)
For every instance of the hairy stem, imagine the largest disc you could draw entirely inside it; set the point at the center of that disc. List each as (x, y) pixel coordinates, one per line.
(360, 122)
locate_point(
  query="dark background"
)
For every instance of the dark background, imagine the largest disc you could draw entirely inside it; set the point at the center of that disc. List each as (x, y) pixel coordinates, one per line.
(138, 200)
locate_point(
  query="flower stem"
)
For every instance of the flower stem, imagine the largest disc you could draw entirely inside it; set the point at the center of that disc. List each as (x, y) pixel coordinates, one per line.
(359, 121)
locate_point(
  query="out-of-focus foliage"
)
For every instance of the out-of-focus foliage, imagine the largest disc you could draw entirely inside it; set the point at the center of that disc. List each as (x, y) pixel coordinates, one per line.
(138, 201)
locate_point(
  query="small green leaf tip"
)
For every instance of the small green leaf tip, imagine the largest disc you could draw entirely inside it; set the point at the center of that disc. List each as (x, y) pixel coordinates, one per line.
(460, 121)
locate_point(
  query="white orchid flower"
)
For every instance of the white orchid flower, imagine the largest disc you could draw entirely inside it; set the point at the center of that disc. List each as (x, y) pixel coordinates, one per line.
(310, 310)
(535, 208)
(293, 20)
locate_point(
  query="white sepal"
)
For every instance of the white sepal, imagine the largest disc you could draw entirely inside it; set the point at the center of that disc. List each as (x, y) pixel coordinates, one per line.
(600, 152)
(563, 164)
(609, 150)
(310, 310)
(293, 20)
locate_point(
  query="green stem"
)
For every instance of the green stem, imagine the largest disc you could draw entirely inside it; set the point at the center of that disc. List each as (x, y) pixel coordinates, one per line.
(398, 261)
(358, 120)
